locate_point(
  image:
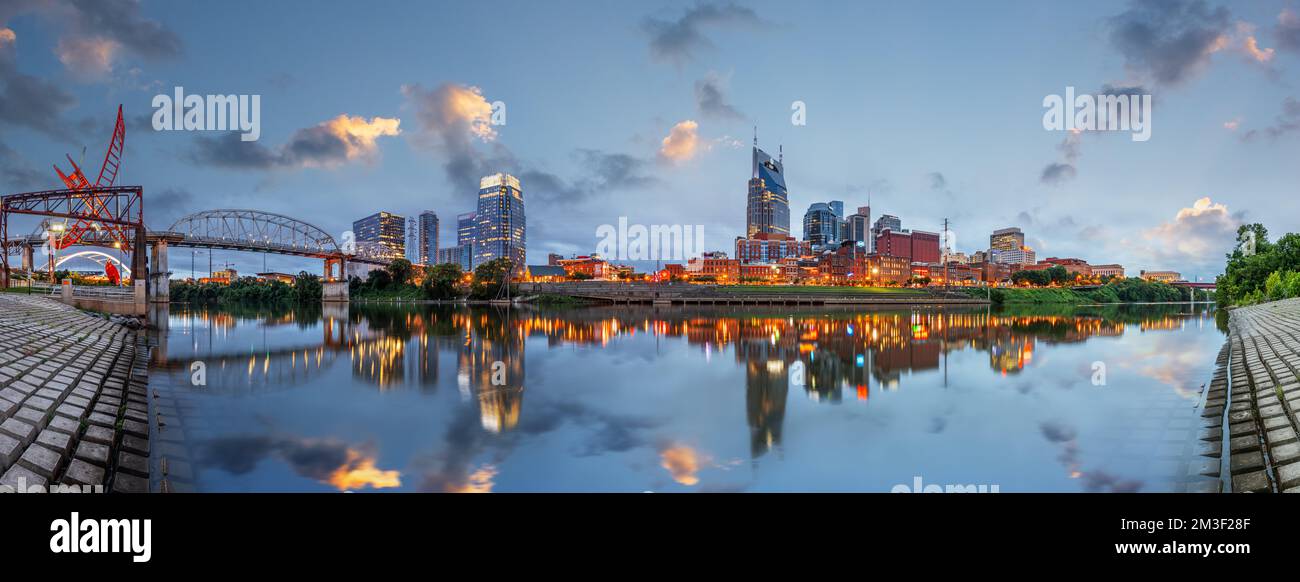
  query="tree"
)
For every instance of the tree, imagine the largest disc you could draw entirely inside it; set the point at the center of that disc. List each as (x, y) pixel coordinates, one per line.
(307, 287)
(440, 281)
(490, 279)
(400, 271)
(378, 279)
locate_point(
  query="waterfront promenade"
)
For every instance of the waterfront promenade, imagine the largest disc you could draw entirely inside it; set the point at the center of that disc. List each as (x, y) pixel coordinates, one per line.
(74, 409)
(1260, 383)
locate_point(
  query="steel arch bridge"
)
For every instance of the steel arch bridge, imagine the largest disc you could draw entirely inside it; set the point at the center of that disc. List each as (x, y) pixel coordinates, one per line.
(254, 230)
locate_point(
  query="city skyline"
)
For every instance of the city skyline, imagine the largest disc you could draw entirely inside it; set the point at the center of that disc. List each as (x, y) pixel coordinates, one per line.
(662, 138)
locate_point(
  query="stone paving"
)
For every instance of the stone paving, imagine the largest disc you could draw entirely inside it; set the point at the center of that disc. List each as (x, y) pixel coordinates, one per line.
(1263, 399)
(74, 407)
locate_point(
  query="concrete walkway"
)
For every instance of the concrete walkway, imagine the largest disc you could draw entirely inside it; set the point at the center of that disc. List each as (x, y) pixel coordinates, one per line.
(1264, 369)
(74, 409)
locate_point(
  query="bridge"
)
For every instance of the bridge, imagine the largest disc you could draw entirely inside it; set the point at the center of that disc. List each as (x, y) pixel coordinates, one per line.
(101, 214)
(227, 229)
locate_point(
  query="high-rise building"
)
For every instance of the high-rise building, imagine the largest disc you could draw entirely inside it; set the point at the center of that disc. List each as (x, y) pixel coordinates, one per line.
(886, 221)
(1007, 239)
(499, 221)
(858, 226)
(427, 239)
(457, 255)
(768, 207)
(1007, 246)
(821, 226)
(465, 225)
(382, 235)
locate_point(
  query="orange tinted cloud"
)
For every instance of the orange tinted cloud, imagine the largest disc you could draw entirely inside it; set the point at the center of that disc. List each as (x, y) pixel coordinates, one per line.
(359, 471)
(682, 142)
(358, 135)
(683, 463)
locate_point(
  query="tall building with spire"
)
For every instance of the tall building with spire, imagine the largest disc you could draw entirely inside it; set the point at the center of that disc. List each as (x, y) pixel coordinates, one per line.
(768, 207)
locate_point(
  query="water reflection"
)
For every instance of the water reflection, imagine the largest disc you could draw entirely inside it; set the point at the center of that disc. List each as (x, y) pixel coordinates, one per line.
(829, 356)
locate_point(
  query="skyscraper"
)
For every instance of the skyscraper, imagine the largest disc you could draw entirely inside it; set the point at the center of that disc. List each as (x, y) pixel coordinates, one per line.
(427, 242)
(499, 229)
(1007, 239)
(886, 221)
(821, 226)
(382, 235)
(858, 227)
(465, 225)
(466, 231)
(768, 207)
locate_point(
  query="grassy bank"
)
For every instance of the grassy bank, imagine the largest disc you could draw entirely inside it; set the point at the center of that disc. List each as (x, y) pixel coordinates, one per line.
(1118, 291)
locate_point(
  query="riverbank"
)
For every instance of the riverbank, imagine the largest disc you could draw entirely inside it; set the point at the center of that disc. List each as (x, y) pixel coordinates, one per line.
(1259, 383)
(74, 409)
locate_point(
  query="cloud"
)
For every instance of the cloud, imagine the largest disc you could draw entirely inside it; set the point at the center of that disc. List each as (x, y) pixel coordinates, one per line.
(937, 181)
(450, 121)
(681, 143)
(118, 21)
(34, 103)
(1232, 125)
(329, 461)
(683, 463)
(329, 144)
(7, 37)
(1169, 41)
(1057, 173)
(1287, 122)
(454, 123)
(681, 40)
(1287, 30)
(16, 174)
(90, 57)
(711, 98)
(1071, 147)
(1196, 238)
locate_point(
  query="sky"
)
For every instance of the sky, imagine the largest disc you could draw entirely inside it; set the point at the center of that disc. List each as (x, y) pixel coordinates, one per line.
(646, 111)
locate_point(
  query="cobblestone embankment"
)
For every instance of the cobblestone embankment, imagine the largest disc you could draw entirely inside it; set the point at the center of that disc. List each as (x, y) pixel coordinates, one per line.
(1263, 398)
(74, 408)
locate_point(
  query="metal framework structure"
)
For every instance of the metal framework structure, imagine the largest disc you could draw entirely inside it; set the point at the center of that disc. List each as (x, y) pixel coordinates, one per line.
(112, 216)
(257, 231)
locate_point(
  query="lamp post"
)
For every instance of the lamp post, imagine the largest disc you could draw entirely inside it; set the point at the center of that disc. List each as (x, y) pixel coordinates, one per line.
(55, 228)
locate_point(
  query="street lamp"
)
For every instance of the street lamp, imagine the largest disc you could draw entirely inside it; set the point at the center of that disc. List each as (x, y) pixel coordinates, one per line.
(55, 228)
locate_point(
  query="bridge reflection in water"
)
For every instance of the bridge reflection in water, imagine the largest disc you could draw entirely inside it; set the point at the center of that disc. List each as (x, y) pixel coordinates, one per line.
(827, 354)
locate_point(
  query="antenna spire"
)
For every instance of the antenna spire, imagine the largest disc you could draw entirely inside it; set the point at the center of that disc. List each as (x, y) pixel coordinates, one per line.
(755, 136)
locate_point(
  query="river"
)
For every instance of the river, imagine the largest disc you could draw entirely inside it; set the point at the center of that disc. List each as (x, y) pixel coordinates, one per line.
(674, 399)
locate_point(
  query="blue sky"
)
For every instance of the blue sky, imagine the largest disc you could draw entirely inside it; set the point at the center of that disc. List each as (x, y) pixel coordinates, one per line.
(935, 107)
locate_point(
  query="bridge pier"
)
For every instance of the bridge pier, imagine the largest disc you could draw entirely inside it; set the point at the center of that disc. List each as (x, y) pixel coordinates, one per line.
(29, 260)
(334, 289)
(159, 285)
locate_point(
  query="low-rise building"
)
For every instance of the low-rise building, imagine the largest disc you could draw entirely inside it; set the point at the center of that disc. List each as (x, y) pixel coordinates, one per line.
(1112, 270)
(1161, 276)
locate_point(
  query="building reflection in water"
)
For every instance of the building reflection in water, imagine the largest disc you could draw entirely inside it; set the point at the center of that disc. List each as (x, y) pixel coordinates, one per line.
(826, 353)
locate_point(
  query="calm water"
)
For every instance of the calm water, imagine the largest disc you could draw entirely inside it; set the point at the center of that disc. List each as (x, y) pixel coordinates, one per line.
(683, 399)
